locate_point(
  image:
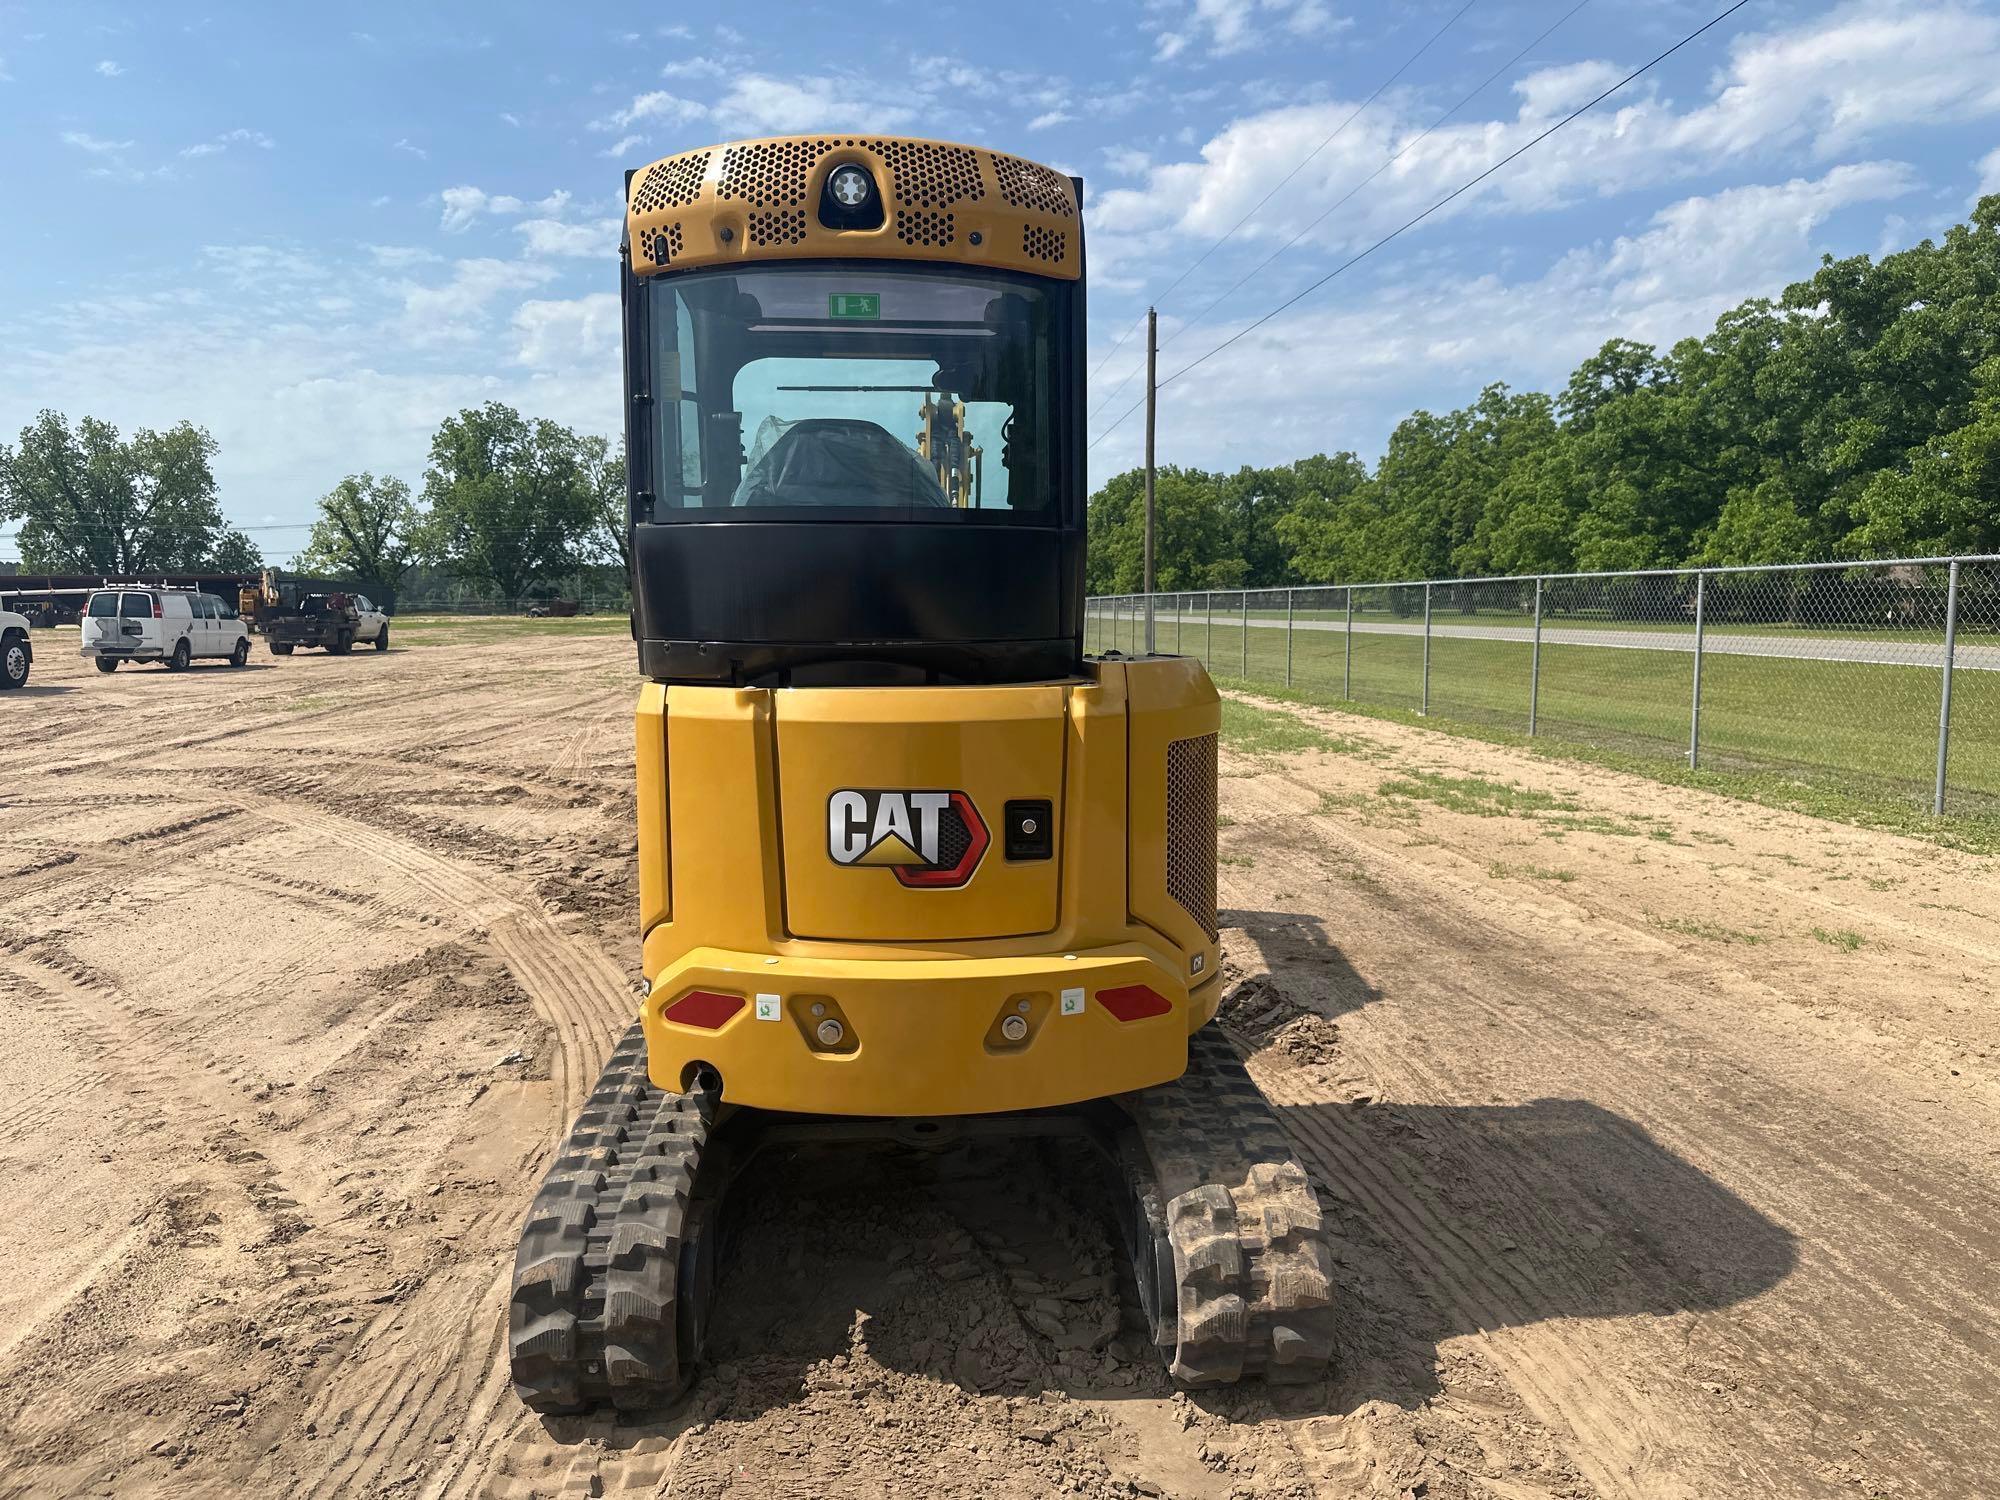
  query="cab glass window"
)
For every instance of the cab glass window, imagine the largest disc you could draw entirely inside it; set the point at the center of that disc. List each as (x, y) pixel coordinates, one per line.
(868, 388)
(103, 606)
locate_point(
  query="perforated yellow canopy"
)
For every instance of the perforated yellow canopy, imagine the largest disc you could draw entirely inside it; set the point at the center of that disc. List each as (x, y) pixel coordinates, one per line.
(760, 200)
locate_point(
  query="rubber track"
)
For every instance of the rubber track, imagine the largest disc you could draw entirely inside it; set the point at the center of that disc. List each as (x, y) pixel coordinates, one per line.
(596, 1314)
(1253, 1275)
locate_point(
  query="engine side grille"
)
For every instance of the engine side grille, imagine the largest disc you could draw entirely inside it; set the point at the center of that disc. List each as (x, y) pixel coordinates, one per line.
(1191, 829)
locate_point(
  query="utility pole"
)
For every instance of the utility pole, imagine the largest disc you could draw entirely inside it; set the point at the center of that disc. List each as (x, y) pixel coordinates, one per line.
(1152, 410)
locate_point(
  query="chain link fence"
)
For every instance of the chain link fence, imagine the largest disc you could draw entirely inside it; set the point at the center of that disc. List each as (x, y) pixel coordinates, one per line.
(1876, 679)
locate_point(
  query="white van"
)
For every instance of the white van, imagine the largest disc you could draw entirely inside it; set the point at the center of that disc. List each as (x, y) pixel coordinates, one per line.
(174, 626)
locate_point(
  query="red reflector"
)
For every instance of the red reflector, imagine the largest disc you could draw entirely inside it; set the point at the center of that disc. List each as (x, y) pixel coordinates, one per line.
(157, 614)
(703, 1008)
(1133, 1002)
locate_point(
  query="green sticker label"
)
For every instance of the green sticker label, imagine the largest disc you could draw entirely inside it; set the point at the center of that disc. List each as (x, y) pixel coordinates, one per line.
(854, 305)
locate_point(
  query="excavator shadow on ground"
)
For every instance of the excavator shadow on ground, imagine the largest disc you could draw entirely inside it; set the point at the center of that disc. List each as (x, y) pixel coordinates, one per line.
(992, 1263)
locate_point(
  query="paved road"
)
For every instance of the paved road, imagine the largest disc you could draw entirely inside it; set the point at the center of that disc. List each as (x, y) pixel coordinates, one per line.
(1968, 658)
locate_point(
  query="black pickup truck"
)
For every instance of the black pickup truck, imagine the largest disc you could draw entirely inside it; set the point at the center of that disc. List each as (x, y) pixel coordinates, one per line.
(332, 622)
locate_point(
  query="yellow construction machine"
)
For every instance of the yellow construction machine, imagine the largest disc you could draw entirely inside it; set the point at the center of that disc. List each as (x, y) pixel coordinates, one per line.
(910, 863)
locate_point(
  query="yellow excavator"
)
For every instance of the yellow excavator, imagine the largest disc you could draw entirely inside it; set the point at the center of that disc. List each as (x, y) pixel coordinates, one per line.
(911, 865)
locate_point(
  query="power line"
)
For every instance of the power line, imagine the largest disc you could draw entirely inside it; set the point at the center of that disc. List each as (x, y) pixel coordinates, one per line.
(1412, 222)
(1258, 206)
(1408, 147)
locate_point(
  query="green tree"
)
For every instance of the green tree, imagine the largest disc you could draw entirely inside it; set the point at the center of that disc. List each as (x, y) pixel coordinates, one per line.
(368, 531)
(90, 501)
(1193, 545)
(609, 541)
(511, 500)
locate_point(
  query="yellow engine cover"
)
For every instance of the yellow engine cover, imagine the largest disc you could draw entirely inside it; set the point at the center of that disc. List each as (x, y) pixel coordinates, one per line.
(824, 927)
(892, 811)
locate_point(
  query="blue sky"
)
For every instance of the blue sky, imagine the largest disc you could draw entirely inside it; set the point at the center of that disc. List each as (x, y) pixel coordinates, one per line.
(317, 230)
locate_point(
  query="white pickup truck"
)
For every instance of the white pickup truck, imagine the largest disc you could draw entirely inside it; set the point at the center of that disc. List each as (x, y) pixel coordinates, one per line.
(17, 652)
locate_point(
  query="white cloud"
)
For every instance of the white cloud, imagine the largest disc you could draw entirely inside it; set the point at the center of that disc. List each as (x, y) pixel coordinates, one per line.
(507, 119)
(464, 204)
(1052, 118)
(552, 237)
(1860, 69)
(657, 105)
(1548, 92)
(1989, 172)
(758, 103)
(85, 142)
(1126, 161)
(623, 144)
(230, 138)
(694, 67)
(1231, 26)
(453, 311)
(401, 255)
(1856, 71)
(109, 69)
(564, 335)
(1363, 359)
(5, 76)
(1312, 18)
(410, 149)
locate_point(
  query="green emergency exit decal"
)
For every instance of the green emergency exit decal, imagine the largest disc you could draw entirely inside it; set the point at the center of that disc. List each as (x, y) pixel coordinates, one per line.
(854, 305)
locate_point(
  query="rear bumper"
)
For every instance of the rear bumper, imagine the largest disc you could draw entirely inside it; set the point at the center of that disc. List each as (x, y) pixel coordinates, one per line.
(124, 653)
(923, 1036)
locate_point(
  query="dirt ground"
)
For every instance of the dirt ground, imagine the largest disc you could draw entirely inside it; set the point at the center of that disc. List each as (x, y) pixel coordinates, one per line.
(1659, 1130)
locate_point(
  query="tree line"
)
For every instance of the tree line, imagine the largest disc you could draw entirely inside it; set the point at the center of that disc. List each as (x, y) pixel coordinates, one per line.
(508, 503)
(1856, 415)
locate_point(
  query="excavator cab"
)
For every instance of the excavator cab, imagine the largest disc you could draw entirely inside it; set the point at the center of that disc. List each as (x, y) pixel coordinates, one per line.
(811, 495)
(907, 858)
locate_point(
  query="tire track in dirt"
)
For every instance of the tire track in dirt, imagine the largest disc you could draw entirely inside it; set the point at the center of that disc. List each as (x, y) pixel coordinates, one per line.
(585, 1000)
(1622, 1442)
(1886, 1245)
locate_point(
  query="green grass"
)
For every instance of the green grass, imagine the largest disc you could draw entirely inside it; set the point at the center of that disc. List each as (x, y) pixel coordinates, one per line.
(1845, 939)
(1855, 741)
(1711, 932)
(1501, 870)
(1474, 794)
(1270, 731)
(475, 630)
(1227, 614)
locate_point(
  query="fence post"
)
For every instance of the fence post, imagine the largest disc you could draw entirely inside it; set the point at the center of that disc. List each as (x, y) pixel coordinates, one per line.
(1208, 643)
(1180, 619)
(1243, 672)
(1288, 636)
(1425, 710)
(1694, 715)
(1535, 664)
(1944, 701)
(1347, 666)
